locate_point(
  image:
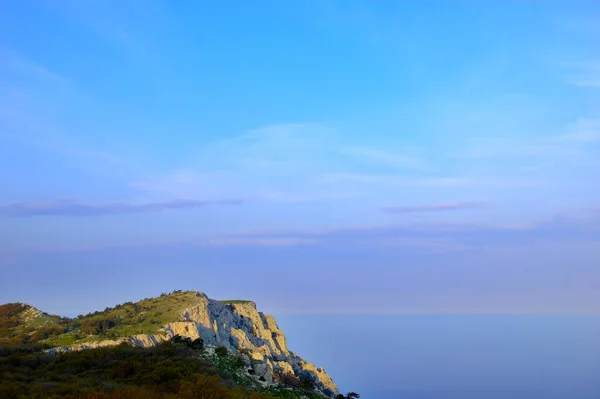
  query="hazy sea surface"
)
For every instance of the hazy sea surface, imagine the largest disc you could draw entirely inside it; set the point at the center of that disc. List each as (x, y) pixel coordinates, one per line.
(453, 356)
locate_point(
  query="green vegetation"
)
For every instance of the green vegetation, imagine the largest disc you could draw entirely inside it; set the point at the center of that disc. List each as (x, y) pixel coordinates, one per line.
(169, 370)
(221, 351)
(231, 366)
(175, 369)
(235, 301)
(144, 317)
(21, 324)
(25, 324)
(179, 368)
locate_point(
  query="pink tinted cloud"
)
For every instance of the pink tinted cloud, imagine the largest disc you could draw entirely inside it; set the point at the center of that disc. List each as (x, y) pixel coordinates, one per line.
(447, 206)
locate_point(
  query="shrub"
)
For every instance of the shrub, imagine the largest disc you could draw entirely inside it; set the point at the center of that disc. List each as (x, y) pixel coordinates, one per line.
(238, 362)
(290, 380)
(305, 383)
(221, 351)
(197, 344)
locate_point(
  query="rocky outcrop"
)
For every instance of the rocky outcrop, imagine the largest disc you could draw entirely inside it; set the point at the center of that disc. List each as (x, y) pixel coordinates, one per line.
(240, 326)
(87, 345)
(29, 313)
(237, 326)
(140, 340)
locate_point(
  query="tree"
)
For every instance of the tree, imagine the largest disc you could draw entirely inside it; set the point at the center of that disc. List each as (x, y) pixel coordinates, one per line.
(197, 344)
(221, 351)
(305, 383)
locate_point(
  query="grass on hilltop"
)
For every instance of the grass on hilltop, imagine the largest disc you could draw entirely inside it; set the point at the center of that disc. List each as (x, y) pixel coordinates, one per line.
(235, 301)
(144, 317)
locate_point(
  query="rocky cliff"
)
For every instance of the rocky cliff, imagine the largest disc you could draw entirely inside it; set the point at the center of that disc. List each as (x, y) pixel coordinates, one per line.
(238, 326)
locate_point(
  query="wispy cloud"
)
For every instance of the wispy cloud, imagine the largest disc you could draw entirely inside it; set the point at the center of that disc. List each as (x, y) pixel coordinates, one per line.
(423, 244)
(570, 146)
(362, 238)
(448, 206)
(431, 181)
(586, 75)
(586, 82)
(29, 88)
(394, 180)
(293, 163)
(415, 237)
(69, 208)
(124, 24)
(582, 131)
(282, 163)
(259, 241)
(377, 155)
(431, 237)
(15, 64)
(34, 100)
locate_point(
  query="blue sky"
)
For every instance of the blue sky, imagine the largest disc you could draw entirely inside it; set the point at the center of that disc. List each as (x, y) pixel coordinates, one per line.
(372, 156)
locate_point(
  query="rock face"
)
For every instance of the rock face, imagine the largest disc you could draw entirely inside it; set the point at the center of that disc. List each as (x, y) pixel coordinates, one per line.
(30, 313)
(237, 326)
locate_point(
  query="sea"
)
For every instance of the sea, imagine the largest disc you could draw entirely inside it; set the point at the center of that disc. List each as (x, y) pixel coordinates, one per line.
(453, 356)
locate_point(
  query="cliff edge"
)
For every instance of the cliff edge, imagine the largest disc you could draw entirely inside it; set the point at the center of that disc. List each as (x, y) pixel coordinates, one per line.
(236, 325)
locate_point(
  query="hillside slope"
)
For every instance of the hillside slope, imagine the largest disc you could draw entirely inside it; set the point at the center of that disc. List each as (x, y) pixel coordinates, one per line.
(21, 323)
(235, 325)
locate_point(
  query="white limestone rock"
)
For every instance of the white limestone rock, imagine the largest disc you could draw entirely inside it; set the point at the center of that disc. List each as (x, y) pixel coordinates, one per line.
(238, 326)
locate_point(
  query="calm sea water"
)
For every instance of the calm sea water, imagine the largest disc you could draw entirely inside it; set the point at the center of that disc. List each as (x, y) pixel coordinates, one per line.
(453, 356)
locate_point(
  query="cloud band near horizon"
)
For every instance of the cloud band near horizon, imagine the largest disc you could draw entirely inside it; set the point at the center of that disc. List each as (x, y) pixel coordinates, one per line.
(447, 206)
(71, 208)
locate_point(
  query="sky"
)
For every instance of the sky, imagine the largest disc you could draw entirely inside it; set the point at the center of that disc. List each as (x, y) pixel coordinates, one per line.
(316, 156)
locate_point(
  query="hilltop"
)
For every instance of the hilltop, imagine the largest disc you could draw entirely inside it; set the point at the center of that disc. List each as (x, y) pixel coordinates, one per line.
(21, 321)
(229, 329)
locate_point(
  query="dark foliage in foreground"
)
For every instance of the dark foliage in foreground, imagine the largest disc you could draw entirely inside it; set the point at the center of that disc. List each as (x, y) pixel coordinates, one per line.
(169, 370)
